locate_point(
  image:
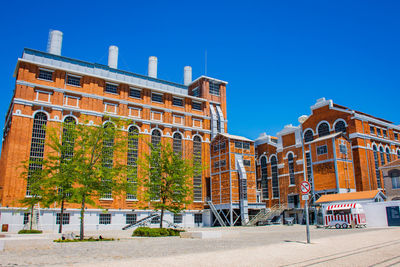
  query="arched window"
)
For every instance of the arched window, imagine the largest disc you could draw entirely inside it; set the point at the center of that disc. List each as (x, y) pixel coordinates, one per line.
(197, 177)
(382, 156)
(108, 156)
(133, 147)
(387, 155)
(308, 136)
(264, 177)
(377, 171)
(323, 129)
(68, 138)
(156, 138)
(177, 143)
(340, 126)
(291, 169)
(275, 181)
(37, 147)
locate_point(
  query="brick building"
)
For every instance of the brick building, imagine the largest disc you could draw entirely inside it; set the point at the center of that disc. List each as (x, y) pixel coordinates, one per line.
(341, 150)
(51, 88)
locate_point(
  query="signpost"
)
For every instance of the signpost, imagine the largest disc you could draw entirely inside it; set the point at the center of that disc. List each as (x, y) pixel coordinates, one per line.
(305, 188)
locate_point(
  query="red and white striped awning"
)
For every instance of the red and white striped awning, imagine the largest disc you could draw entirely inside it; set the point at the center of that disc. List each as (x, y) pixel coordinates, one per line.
(341, 206)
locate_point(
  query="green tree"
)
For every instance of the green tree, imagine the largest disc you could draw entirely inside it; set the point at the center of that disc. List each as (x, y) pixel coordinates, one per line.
(165, 177)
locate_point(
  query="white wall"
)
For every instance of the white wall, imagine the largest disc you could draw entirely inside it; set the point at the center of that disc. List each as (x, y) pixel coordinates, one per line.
(376, 213)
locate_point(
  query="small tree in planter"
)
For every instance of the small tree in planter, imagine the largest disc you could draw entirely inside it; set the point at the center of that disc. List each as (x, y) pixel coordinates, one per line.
(165, 177)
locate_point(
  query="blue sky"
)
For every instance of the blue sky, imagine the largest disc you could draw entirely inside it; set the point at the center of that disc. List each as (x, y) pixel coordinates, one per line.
(278, 56)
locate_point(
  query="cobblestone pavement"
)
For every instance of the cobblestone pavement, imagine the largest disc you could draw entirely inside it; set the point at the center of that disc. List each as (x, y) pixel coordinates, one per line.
(239, 246)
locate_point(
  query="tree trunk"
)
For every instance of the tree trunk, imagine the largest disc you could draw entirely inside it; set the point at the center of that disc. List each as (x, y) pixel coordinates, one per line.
(30, 226)
(161, 217)
(61, 217)
(81, 234)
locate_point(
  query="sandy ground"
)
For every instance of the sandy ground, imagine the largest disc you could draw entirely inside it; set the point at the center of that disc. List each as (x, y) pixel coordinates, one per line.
(240, 246)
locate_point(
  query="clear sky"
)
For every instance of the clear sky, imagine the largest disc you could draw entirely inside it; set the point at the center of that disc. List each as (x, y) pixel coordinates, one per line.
(278, 56)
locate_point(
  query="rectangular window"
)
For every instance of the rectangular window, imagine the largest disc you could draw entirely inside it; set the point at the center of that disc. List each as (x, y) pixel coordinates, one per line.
(178, 119)
(105, 218)
(343, 149)
(135, 93)
(293, 201)
(43, 96)
(395, 182)
(197, 123)
(65, 219)
(372, 129)
(134, 112)
(238, 144)
(131, 218)
(222, 146)
(384, 133)
(196, 105)
(155, 220)
(246, 162)
(110, 108)
(156, 116)
(73, 80)
(178, 218)
(222, 163)
(157, 98)
(198, 218)
(71, 101)
(378, 131)
(111, 88)
(214, 88)
(321, 150)
(196, 91)
(396, 136)
(246, 146)
(27, 216)
(216, 147)
(45, 75)
(177, 102)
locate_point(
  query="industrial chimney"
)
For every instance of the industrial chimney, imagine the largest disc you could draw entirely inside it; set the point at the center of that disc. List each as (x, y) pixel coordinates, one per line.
(113, 56)
(152, 67)
(187, 75)
(55, 42)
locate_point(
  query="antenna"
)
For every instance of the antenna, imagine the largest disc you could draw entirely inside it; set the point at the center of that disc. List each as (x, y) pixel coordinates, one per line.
(205, 64)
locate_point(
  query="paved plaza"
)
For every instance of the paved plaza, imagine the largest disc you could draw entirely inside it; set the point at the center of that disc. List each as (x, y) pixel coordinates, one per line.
(239, 246)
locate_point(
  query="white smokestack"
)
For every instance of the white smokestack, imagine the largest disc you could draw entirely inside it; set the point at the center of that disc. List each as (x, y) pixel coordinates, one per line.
(55, 42)
(152, 67)
(113, 56)
(187, 75)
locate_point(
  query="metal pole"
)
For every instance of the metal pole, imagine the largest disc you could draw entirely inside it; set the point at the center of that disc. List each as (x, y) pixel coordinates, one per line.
(307, 222)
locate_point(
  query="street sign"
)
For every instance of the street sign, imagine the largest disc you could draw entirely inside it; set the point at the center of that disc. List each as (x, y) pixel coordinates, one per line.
(305, 187)
(304, 197)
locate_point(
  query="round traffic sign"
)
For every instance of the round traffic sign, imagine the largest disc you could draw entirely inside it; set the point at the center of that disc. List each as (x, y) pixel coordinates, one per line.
(305, 187)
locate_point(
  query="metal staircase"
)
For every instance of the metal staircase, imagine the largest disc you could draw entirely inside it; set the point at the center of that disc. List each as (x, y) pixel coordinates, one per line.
(266, 214)
(216, 214)
(142, 221)
(244, 207)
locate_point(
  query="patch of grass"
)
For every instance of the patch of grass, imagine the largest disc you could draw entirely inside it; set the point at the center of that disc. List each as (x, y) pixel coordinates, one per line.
(90, 239)
(29, 231)
(156, 232)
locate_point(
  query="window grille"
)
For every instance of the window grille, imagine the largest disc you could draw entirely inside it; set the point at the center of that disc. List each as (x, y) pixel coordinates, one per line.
(275, 181)
(384, 133)
(108, 157)
(135, 93)
(177, 143)
(111, 88)
(131, 218)
(27, 217)
(45, 75)
(196, 105)
(340, 127)
(198, 218)
(156, 138)
(321, 150)
(156, 98)
(196, 92)
(377, 171)
(178, 218)
(238, 144)
(323, 129)
(37, 146)
(105, 218)
(133, 146)
(343, 149)
(378, 131)
(246, 146)
(214, 88)
(395, 177)
(65, 218)
(308, 136)
(197, 177)
(177, 102)
(387, 155)
(382, 156)
(155, 220)
(291, 169)
(372, 129)
(264, 178)
(72, 80)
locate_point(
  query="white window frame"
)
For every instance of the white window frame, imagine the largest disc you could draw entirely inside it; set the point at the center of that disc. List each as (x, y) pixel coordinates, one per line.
(72, 75)
(135, 88)
(44, 92)
(66, 97)
(201, 123)
(178, 116)
(197, 102)
(106, 104)
(52, 71)
(181, 98)
(134, 108)
(114, 84)
(162, 97)
(156, 112)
